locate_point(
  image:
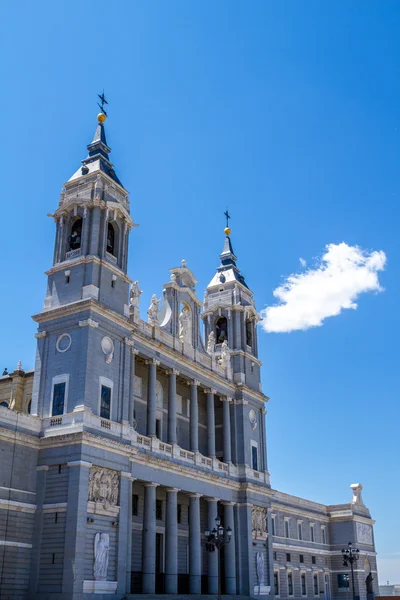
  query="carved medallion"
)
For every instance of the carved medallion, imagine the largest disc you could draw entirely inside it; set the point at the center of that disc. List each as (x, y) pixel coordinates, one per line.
(107, 345)
(64, 342)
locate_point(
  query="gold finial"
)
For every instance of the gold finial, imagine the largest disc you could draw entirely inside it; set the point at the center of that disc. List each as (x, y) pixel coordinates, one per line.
(102, 116)
(227, 229)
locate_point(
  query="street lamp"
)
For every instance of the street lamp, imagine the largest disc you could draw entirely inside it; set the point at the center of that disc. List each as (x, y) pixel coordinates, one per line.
(215, 540)
(350, 556)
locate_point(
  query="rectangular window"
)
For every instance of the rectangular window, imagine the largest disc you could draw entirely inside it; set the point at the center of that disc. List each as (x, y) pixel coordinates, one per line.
(254, 457)
(323, 532)
(188, 407)
(303, 585)
(343, 580)
(290, 583)
(275, 556)
(273, 525)
(312, 532)
(301, 558)
(135, 505)
(276, 583)
(179, 404)
(287, 556)
(313, 560)
(316, 591)
(179, 513)
(287, 528)
(159, 511)
(300, 530)
(105, 403)
(158, 428)
(58, 399)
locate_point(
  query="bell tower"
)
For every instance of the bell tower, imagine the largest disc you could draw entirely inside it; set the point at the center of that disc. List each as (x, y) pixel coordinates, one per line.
(92, 230)
(84, 340)
(230, 316)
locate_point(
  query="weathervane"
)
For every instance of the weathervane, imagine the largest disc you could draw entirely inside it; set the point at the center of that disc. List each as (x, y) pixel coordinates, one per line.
(103, 102)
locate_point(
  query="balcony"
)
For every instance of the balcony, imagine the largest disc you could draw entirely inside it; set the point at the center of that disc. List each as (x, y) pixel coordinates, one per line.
(84, 420)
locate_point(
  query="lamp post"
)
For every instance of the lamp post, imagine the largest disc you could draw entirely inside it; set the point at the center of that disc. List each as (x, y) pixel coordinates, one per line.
(215, 540)
(350, 556)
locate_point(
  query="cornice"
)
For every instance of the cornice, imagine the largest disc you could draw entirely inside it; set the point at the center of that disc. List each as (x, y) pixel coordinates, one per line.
(187, 290)
(85, 260)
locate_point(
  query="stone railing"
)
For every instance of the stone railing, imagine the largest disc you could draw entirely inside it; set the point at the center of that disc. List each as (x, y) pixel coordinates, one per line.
(72, 254)
(82, 419)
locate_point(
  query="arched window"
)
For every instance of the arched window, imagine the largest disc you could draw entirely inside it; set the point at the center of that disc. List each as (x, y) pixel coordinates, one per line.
(111, 239)
(249, 333)
(221, 330)
(30, 406)
(76, 235)
(5, 404)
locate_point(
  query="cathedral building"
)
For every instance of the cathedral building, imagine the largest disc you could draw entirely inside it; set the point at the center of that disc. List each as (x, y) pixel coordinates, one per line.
(132, 440)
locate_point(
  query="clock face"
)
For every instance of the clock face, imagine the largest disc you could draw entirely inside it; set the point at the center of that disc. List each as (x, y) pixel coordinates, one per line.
(252, 416)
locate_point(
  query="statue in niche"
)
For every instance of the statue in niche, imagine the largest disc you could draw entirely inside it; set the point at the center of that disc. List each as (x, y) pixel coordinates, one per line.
(134, 295)
(368, 583)
(185, 326)
(153, 310)
(260, 568)
(211, 343)
(101, 553)
(225, 355)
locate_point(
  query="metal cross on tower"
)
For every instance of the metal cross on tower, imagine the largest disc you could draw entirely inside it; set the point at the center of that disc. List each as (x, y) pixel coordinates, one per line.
(228, 216)
(103, 102)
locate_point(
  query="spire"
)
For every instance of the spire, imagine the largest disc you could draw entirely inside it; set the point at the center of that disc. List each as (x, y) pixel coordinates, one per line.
(98, 151)
(228, 271)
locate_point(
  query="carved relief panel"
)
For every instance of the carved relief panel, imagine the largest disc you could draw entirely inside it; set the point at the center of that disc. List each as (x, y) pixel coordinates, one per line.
(103, 486)
(259, 522)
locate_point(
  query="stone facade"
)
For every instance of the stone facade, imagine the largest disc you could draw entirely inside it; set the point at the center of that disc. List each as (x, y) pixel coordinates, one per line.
(135, 435)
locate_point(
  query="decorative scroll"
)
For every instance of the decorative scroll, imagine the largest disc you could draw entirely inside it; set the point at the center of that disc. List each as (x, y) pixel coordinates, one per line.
(259, 522)
(103, 486)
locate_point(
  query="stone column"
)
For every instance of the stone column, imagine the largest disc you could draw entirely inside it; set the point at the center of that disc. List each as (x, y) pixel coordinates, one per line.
(264, 461)
(126, 381)
(37, 528)
(226, 403)
(194, 416)
(171, 542)
(131, 412)
(172, 439)
(124, 532)
(230, 551)
(75, 526)
(212, 556)
(151, 397)
(149, 539)
(194, 545)
(211, 422)
(85, 232)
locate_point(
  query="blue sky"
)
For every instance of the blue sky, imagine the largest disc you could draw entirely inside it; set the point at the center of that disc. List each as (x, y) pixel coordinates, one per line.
(287, 113)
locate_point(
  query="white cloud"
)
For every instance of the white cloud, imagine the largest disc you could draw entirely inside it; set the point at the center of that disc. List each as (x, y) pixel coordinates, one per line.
(303, 262)
(307, 298)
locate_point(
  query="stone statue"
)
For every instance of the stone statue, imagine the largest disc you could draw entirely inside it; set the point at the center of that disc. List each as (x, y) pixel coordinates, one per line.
(211, 343)
(260, 568)
(103, 486)
(184, 326)
(134, 295)
(225, 354)
(368, 583)
(101, 552)
(153, 310)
